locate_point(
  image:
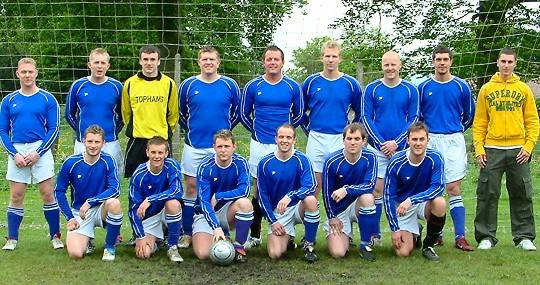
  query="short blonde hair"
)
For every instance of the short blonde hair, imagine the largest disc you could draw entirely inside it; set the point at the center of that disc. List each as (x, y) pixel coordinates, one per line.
(330, 44)
(28, 60)
(99, 51)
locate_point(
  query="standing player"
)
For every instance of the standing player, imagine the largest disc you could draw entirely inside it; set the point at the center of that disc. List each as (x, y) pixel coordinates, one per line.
(149, 107)
(286, 195)
(268, 101)
(447, 108)
(95, 99)
(349, 178)
(208, 103)
(222, 203)
(412, 190)
(505, 131)
(154, 192)
(329, 96)
(29, 124)
(390, 106)
(95, 188)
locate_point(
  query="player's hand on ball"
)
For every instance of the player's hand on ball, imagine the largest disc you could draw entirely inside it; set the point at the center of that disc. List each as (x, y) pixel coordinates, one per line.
(219, 234)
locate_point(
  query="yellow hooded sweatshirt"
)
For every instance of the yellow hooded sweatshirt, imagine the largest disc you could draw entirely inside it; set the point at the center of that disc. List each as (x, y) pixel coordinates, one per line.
(505, 115)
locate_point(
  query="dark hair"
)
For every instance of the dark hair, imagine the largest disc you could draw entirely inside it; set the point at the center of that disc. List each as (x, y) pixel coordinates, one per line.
(96, 130)
(208, 49)
(157, 140)
(353, 128)
(224, 134)
(418, 126)
(442, 49)
(287, 126)
(508, 51)
(273, 48)
(149, 49)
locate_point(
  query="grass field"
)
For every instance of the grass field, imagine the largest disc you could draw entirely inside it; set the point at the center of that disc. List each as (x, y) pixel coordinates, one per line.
(35, 261)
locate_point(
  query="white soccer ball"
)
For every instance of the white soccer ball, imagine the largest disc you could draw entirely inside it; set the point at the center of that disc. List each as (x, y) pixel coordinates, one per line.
(222, 252)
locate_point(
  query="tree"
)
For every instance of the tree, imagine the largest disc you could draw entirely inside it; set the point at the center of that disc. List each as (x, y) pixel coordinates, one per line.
(476, 31)
(59, 34)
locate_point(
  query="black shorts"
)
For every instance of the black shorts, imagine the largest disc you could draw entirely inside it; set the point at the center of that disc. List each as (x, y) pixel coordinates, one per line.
(136, 154)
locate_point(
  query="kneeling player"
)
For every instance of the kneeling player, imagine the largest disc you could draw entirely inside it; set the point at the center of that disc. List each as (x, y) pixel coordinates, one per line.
(93, 178)
(412, 191)
(286, 195)
(348, 181)
(154, 192)
(223, 183)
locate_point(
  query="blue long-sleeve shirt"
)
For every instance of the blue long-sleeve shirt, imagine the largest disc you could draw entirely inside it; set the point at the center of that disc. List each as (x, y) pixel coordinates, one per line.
(224, 183)
(329, 102)
(387, 112)
(90, 103)
(158, 188)
(265, 106)
(357, 177)
(418, 182)
(29, 118)
(206, 107)
(446, 107)
(293, 177)
(93, 183)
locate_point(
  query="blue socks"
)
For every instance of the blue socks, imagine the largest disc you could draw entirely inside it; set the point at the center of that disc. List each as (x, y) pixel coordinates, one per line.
(311, 224)
(188, 212)
(367, 223)
(14, 220)
(174, 224)
(457, 211)
(242, 222)
(52, 215)
(114, 222)
(378, 213)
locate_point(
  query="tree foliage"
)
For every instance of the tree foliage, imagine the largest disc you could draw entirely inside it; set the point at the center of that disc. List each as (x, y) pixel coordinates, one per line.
(475, 30)
(59, 34)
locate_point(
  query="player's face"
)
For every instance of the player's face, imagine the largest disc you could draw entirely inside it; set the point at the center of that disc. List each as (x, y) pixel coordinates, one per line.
(391, 64)
(418, 142)
(93, 144)
(442, 63)
(353, 142)
(98, 64)
(224, 150)
(209, 63)
(27, 74)
(285, 140)
(273, 64)
(506, 64)
(150, 63)
(156, 155)
(331, 58)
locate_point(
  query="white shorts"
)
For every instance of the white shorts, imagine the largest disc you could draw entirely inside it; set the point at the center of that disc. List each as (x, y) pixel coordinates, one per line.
(409, 222)
(454, 151)
(319, 146)
(382, 161)
(200, 225)
(154, 225)
(112, 148)
(192, 157)
(39, 172)
(289, 219)
(256, 152)
(93, 220)
(346, 217)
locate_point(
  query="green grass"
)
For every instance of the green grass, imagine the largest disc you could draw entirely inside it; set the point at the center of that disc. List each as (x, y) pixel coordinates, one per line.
(35, 261)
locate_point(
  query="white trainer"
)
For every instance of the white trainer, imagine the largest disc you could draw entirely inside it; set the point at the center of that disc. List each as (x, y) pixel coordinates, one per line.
(526, 244)
(173, 254)
(252, 242)
(11, 244)
(485, 244)
(57, 243)
(184, 242)
(109, 254)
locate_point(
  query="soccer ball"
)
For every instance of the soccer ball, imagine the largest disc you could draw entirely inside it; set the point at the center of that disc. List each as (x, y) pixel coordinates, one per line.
(222, 252)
